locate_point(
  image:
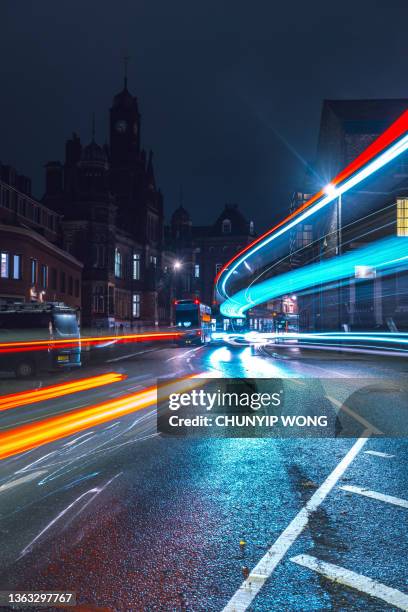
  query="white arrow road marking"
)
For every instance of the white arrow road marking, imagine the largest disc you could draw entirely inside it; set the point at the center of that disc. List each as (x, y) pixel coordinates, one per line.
(261, 572)
(351, 579)
(378, 454)
(389, 499)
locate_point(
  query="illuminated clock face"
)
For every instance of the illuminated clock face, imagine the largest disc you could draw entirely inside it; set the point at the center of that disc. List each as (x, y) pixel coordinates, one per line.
(121, 126)
(135, 129)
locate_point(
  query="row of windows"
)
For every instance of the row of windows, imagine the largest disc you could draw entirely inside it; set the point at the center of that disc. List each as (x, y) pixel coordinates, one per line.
(11, 267)
(99, 302)
(26, 207)
(226, 226)
(136, 259)
(402, 217)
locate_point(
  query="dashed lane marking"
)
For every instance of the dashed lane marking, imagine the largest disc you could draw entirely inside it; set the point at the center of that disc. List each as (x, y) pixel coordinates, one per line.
(131, 355)
(356, 581)
(243, 597)
(388, 499)
(378, 454)
(178, 356)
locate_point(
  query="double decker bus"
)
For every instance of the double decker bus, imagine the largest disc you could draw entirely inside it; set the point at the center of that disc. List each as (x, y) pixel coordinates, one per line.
(30, 335)
(194, 318)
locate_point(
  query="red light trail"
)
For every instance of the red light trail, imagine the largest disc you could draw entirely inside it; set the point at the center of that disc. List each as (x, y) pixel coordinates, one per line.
(387, 138)
(35, 345)
(25, 437)
(14, 400)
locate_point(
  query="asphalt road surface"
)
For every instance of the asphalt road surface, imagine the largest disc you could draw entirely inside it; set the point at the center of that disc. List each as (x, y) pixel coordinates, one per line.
(133, 520)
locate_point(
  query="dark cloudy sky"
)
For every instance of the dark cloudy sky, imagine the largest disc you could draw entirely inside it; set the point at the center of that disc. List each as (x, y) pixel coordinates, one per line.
(230, 90)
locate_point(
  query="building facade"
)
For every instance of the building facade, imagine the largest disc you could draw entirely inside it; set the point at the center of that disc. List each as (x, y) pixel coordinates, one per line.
(112, 220)
(199, 252)
(34, 267)
(371, 212)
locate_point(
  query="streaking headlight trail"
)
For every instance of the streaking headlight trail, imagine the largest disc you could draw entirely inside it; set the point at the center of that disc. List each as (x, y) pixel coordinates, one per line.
(25, 437)
(392, 143)
(384, 255)
(14, 400)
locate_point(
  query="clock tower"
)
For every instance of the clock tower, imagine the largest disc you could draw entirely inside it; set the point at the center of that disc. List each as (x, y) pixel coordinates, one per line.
(124, 129)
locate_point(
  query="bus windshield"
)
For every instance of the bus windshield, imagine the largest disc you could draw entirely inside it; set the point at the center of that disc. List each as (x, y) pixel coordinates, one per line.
(188, 317)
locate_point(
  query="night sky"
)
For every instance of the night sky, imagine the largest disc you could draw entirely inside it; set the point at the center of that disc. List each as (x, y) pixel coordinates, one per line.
(230, 91)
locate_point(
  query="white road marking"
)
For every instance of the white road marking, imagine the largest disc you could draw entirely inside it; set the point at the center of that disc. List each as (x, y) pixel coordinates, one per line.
(356, 581)
(355, 416)
(15, 483)
(389, 499)
(378, 454)
(131, 355)
(241, 600)
(184, 354)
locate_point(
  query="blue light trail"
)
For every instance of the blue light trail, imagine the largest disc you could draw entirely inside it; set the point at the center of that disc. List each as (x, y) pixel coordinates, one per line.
(383, 256)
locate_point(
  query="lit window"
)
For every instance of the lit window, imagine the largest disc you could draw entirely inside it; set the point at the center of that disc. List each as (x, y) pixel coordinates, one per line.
(44, 276)
(118, 263)
(136, 266)
(136, 305)
(402, 217)
(5, 265)
(17, 267)
(226, 226)
(364, 272)
(153, 260)
(197, 271)
(33, 271)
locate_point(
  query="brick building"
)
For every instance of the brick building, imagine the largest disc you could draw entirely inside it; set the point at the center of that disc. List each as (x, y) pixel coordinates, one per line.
(34, 267)
(201, 251)
(112, 219)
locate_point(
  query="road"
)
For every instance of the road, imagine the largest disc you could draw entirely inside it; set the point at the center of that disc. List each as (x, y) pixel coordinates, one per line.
(132, 520)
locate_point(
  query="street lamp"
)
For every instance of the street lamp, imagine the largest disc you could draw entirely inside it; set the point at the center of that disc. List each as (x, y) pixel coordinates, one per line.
(177, 265)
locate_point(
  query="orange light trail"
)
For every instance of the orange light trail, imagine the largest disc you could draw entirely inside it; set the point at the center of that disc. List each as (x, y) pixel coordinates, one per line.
(26, 437)
(33, 345)
(14, 400)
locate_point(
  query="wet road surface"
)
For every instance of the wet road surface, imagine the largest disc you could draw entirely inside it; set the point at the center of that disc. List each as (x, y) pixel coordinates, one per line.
(131, 520)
